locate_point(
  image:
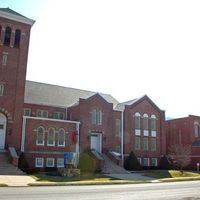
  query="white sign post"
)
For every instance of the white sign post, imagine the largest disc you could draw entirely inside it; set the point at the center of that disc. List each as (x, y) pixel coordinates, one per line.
(197, 167)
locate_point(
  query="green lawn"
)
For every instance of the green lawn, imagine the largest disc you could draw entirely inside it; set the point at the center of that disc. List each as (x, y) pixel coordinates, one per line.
(159, 174)
(46, 177)
(43, 179)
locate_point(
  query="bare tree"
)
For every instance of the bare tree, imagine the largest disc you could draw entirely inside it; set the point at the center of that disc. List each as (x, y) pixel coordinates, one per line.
(180, 156)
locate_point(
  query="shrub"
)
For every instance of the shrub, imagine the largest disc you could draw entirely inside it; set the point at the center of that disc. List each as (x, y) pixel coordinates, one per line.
(164, 163)
(87, 163)
(22, 163)
(132, 162)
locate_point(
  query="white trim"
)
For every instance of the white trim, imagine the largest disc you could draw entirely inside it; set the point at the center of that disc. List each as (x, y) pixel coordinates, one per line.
(137, 131)
(54, 137)
(78, 139)
(145, 115)
(23, 134)
(146, 132)
(16, 18)
(137, 114)
(63, 145)
(139, 160)
(57, 165)
(53, 163)
(3, 135)
(156, 163)
(93, 134)
(147, 162)
(4, 59)
(50, 119)
(40, 144)
(1, 89)
(153, 116)
(42, 159)
(153, 133)
(122, 137)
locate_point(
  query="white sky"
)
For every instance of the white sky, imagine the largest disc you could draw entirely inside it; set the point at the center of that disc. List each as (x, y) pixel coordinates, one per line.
(124, 48)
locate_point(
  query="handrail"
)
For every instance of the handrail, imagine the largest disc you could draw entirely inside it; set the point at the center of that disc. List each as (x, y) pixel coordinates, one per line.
(14, 156)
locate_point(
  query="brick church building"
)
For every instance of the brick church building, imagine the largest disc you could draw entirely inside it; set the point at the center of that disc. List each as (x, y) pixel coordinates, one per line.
(45, 121)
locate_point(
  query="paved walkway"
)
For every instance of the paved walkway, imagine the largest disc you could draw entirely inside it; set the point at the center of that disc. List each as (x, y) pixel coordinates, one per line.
(113, 170)
(16, 180)
(111, 167)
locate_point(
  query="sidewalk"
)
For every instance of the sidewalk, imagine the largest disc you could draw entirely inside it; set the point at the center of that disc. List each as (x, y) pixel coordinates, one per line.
(16, 180)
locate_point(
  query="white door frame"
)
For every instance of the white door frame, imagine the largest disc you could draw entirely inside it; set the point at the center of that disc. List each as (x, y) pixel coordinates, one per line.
(100, 140)
(3, 123)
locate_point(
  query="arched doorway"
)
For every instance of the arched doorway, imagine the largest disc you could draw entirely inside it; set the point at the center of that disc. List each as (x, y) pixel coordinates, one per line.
(3, 123)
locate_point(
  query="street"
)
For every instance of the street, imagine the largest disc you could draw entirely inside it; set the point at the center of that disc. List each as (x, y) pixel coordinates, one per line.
(153, 191)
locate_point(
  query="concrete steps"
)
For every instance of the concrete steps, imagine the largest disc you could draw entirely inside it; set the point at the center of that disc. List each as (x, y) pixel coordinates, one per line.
(112, 168)
(6, 168)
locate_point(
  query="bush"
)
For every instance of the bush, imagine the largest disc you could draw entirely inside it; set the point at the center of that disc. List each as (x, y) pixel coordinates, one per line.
(132, 162)
(22, 163)
(164, 163)
(87, 163)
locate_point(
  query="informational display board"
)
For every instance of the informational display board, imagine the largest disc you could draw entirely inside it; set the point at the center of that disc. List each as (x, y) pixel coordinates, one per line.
(70, 158)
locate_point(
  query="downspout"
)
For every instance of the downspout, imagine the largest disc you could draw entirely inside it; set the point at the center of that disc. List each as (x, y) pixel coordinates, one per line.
(23, 134)
(66, 117)
(122, 137)
(78, 141)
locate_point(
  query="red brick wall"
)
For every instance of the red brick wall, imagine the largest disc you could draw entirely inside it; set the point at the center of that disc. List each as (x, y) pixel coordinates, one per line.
(144, 106)
(31, 133)
(82, 113)
(50, 109)
(181, 131)
(13, 76)
(32, 150)
(116, 139)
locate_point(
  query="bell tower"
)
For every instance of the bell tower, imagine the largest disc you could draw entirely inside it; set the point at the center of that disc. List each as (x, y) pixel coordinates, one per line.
(14, 42)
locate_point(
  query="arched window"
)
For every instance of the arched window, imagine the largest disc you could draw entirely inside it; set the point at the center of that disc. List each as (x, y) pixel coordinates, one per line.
(145, 122)
(137, 120)
(51, 137)
(40, 135)
(196, 129)
(7, 36)
(96, 116)
(153, 123)
(61, 137)
(17, 38)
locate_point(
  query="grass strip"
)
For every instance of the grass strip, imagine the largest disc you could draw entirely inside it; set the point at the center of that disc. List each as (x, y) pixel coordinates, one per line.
(3, 185)
(180, 179)
(78, 183)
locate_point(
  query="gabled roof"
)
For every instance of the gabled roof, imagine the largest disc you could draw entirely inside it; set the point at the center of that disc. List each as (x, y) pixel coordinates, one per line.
(53, 95)
(121, 106)
(13, 15)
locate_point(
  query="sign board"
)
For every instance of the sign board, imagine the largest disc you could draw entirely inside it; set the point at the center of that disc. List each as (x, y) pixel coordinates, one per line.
(69, 158)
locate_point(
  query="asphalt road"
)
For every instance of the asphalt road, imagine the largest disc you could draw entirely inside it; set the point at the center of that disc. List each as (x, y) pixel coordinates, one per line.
(153, 191)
